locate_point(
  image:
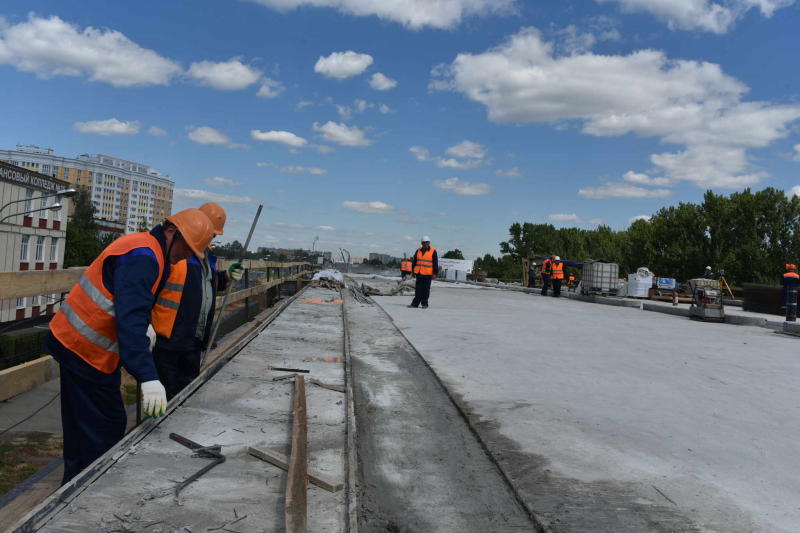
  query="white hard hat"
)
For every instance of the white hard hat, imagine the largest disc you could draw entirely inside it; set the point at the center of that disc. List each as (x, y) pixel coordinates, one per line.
(708, 268)
(425, 238)
(557, 258)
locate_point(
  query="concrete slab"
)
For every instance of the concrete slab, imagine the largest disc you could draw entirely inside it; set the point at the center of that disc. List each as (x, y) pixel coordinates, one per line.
(610, 419)
(239, 407)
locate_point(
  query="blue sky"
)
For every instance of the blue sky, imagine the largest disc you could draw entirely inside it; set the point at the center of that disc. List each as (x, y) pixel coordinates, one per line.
(371, 123)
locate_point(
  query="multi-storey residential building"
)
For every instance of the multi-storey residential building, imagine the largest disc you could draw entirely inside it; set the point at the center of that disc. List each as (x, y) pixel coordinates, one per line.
(122, 191)
(32, 241)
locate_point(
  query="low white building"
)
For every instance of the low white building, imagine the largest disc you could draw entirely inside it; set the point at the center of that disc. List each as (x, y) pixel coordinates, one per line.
(31, 241)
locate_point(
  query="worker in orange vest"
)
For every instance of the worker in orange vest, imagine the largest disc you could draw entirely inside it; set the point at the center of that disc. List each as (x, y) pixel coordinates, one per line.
(104, 324)
(184, 311)
(405, 268)
(557, 275)
(790, 281)
(425, 264)
(547, 270)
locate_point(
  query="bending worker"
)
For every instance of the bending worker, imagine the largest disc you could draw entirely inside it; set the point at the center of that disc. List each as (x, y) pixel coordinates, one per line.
(104, 323)
(184, 311)
(425, 264)
(405, 267)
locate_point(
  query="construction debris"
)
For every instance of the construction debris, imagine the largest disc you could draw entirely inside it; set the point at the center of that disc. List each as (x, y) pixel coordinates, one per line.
(281, 461)
(209, 452)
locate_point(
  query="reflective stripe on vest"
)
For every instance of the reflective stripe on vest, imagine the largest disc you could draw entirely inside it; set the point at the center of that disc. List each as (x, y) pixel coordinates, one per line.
(169, 299)
(790, 275)
(424, 265)
(85, 323)
(558, 270)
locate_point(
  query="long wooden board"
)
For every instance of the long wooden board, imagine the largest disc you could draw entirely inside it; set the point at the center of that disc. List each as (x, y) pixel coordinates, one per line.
(281, 461)
(296, 507)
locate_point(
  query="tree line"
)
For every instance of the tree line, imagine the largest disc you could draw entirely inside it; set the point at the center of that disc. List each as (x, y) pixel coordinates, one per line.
(749, 235)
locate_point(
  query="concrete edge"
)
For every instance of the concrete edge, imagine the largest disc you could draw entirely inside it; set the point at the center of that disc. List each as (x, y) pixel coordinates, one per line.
(351, 457)
(540, 526)
(37, 517)
(22, 378)
(677, 311)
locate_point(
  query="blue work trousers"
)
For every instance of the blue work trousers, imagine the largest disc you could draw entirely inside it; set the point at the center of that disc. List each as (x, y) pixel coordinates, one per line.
(176, 369)
(93, 419)
(545, 284)
(422, 291)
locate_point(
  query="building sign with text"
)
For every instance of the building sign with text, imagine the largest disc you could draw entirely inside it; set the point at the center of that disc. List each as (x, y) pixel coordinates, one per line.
(28, 178)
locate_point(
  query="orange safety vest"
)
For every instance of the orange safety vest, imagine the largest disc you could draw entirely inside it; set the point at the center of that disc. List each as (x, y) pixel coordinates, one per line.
(405, 266)
(791, 275)
(558, 270)
(86, 324)
(424, 262)
(547, 266)
(165, 311)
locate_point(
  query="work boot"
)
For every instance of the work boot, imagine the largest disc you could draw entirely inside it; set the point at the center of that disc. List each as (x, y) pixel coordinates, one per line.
(424, 306)
(412, 306)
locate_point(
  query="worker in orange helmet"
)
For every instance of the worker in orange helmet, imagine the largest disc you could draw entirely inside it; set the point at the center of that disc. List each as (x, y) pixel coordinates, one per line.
(104, 324)
(790, 281)
(184, 312)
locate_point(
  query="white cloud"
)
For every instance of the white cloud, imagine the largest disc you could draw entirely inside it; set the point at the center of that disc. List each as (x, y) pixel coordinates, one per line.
(226, 76)
(325, 228)
(384, 109)
(708, 15)
(646, 218)
(342, 134)
(510, 173)
(796, 155)
(270, 88)
(423, 154)
(108, 127)
(794, 191)
(283, 137)
(381, 82)
(370, 208)
(414, 14)
(462, 187)
(296, 169)
(218, 181)
(644, 179)
(208, 135)
(207, 196)
(467, 150)
(621, 190)
(345, 112)
(342, 65)
(564, 217)
(687, 103)
(595, 221)
(51, 47)
(262, 164)
(322, 148)
(303, 103)
(155, 131)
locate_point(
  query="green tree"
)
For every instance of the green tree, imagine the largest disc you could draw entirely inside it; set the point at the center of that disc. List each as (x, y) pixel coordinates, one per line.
(453, 254)
(82, 242)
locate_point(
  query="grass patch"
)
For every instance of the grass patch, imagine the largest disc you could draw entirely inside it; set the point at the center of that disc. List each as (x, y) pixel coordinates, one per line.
(22, 456)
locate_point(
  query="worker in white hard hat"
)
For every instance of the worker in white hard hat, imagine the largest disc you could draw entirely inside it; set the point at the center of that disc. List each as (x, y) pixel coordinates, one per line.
(557, 275)
(709, 273)
(424, 265)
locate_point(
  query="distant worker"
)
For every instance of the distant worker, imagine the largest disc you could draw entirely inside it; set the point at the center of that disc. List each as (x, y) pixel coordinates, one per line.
(405, 267)
(571, 280)
(547, 269)
(709, 273)
(104, 322)
(425, 265)
(557, 275)
(532, 274)
(184, 311)
(790, 282)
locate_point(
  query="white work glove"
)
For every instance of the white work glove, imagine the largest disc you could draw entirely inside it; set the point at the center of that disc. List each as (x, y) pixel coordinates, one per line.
(151, 334)
(154, 398)
(236, 271)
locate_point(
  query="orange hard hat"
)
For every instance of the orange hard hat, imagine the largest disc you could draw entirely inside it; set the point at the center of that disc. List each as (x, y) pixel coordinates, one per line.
(791, 267)
(195, 228)
(217, 215)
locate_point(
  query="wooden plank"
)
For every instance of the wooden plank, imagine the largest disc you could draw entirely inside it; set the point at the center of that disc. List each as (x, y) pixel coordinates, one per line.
(33, 282)
(319, 383)
(295, 508)
(281, 461)
(24, 377)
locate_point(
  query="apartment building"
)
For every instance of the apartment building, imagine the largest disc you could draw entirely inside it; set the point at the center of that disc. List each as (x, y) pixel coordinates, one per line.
(122, 191)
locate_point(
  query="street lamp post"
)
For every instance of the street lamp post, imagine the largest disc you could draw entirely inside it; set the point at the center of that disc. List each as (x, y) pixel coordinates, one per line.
(55, 207)
(63, 193)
